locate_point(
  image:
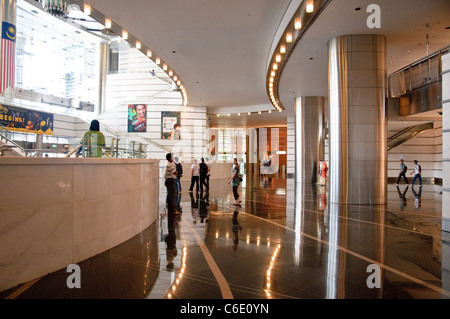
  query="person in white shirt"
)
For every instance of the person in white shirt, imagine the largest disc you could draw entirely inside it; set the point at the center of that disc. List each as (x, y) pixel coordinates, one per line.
(195, 176)
(417, 173)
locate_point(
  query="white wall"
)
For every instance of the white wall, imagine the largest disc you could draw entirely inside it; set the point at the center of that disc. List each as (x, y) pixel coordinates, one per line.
(426, 148)
(135, 84)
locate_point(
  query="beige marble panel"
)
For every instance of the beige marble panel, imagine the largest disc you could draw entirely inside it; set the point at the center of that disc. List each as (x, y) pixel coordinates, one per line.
(60, 211)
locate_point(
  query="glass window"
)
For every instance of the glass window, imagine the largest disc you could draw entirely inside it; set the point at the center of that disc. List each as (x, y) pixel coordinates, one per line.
(54, 57)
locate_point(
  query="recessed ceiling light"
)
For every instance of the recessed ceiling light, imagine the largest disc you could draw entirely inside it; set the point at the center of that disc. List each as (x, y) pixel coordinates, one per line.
(357, 8)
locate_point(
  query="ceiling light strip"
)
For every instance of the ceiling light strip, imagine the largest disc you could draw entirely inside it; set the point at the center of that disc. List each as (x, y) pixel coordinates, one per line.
(305, 15)
(115, 29)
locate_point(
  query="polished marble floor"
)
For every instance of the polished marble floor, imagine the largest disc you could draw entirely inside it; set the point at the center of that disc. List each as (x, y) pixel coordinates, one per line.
(281, 243)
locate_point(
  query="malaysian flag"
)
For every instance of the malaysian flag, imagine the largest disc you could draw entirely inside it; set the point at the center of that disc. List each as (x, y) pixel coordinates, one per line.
(8, 56)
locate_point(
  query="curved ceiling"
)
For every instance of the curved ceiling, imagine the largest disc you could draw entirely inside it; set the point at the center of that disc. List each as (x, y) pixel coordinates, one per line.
(403, 22)
(220, 48)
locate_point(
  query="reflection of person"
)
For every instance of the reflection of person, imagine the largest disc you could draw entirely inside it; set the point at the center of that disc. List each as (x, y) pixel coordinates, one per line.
(235, 182)
(323, 198)
(204, 208)
(171, 242)
(194, 207)
(402, 197)
(195, 176)
(417, 173)
(235, 228)
(171, 184)
(417, 197)
(402, 173)
(94, 140)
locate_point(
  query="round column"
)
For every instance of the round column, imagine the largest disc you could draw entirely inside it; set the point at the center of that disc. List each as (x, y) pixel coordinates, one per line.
(358, 136)
(309, 136)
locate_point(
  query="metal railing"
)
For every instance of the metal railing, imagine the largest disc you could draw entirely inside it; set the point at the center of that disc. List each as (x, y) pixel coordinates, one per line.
(417, 75)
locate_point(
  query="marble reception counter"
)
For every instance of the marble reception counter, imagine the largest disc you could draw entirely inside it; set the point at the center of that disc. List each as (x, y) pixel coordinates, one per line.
(60, 211)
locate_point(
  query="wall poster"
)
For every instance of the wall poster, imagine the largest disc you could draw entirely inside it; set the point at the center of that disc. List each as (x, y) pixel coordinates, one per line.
(170, 125)
(137, 117)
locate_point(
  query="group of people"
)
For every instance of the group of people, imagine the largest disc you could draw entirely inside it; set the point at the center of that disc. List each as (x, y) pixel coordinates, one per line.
(417, 173)
(200, 174)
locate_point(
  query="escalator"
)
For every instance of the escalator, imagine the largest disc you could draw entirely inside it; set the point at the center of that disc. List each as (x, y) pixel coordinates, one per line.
(407, 134)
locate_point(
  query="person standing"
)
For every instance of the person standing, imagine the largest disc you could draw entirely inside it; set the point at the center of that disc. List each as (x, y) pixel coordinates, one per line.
(195, 176)
(203, 173)
(93, 140)
(171, 184)
(417, 173)
(235, 183)
(208, 174)
(179, 168)
(403, 169)
(323, 169)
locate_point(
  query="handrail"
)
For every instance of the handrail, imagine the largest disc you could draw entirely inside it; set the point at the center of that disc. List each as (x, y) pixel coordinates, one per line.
(398, 86)
(413, 131)
(8, 140)
(432, 55)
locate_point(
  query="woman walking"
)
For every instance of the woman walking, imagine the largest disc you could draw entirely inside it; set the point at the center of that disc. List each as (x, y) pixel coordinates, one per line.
(235, 183)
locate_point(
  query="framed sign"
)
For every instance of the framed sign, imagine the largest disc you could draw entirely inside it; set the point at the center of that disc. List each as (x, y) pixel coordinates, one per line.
(170, 125)
(137, 117)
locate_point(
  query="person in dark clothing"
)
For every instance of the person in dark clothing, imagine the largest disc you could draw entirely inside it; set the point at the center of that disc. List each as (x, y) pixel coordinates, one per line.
(235, 178)
(179, 168)
(171, 184)
(203, 175)
(402, 173)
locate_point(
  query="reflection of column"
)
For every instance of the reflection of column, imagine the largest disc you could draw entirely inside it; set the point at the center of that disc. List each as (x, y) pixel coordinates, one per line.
(337, 259)
(358, 151)
(290, 202)
(252, 152)
(8, 51)
(445, 170)
(290, 147)
(309, 111)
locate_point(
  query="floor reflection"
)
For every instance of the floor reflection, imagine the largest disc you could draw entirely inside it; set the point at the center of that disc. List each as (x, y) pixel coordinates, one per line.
(286, 241)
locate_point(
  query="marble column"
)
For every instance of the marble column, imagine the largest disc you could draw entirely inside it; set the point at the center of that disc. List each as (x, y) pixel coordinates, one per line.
(309, 137)
(445, 62)
(358, 132)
